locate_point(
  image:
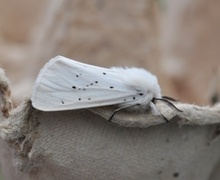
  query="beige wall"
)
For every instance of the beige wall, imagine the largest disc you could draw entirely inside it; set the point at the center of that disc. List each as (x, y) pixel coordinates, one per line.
(176, 40)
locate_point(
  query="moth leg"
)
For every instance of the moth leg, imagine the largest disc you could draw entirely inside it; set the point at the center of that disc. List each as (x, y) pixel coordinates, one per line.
(114, 112)
(119, 109)
(155, 110)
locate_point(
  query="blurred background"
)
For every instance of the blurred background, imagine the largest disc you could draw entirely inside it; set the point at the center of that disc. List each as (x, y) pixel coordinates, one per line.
(177, 40)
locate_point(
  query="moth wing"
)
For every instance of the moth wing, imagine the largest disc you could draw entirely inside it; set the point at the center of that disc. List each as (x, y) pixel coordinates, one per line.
(65, 84)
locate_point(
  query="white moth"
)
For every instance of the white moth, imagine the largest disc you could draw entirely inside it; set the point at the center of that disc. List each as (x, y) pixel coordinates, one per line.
(65, 84)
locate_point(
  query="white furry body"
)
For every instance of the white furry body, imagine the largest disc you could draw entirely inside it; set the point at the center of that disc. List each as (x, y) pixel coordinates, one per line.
(65, 84)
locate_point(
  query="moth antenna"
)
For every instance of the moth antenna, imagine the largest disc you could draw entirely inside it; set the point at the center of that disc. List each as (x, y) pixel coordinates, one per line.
(167, 102)
(169, 98)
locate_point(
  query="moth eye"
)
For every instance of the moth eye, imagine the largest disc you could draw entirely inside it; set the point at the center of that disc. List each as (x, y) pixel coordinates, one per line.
(153, 100)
